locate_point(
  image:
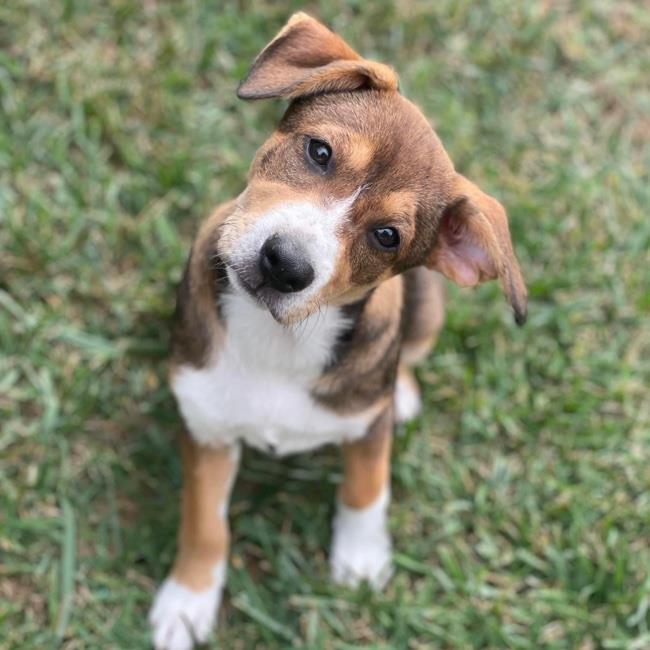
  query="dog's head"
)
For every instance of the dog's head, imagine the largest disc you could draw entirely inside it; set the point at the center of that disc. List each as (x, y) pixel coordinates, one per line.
(353, 187)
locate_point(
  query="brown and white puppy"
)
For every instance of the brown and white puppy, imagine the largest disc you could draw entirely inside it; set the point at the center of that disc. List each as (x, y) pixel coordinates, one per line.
(306, 300)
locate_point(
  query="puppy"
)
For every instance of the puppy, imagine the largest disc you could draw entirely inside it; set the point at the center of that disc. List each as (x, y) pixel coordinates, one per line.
(308, 298)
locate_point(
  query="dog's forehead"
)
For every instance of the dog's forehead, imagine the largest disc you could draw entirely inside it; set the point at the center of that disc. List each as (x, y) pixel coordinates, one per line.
(365, 111)
(382, 123)
(379, 137)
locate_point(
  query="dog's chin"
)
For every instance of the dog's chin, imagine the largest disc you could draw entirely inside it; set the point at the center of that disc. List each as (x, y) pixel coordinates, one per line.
(281, 306)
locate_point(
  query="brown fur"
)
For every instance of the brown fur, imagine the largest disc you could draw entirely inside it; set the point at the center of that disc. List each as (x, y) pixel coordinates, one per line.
(363, 371)
(474, 245)
(197, 328)
(423, 313)
(203, 536)
(366, 464)
(306, 58)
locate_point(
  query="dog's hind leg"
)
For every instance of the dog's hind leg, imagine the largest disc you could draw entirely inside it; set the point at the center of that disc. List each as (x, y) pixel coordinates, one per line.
(186, 605)
(424, 313)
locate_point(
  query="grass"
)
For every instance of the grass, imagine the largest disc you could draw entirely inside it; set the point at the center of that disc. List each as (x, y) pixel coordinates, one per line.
(522, 495)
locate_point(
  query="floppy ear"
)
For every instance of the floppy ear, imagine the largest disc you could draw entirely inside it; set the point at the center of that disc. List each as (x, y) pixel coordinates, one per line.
(474, 245)
(306, 58)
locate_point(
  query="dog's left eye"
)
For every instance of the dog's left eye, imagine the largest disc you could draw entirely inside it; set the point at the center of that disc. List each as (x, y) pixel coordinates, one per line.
(387, 238)
(319, 152)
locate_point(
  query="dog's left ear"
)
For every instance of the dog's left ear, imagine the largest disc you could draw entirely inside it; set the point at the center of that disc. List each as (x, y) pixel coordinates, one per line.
(306, 58)
(474, 245)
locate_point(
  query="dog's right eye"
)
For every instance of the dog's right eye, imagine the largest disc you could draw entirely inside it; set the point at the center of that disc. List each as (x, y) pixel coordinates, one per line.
(319, 152)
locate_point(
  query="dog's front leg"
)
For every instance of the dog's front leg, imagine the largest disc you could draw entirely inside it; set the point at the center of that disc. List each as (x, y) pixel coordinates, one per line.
(186, 605)
(361, 544)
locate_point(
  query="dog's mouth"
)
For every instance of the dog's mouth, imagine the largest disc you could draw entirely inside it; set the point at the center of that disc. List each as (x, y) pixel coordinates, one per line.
(240, 281)
(275, 302)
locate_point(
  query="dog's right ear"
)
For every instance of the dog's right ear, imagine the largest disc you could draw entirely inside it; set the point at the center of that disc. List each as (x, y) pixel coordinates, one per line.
(306, 58)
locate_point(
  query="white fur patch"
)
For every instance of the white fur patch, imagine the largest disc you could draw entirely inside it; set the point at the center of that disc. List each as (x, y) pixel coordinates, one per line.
(180, 616)
(257, 388)
(317, 228)
(408, 402)
(361, 544)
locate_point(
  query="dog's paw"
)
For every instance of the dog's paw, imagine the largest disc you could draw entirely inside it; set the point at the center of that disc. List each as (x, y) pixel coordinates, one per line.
(180, 616)
(361, 545)
(407, 397)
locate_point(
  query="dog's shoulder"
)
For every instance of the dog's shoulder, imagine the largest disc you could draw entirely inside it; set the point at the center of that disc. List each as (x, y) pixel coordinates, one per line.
(197, 323)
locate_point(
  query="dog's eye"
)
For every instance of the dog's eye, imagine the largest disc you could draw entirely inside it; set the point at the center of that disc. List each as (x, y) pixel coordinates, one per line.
(387, 238)
(319, 152)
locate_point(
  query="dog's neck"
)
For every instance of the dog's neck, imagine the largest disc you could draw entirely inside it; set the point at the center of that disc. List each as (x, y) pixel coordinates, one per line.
(259, 341)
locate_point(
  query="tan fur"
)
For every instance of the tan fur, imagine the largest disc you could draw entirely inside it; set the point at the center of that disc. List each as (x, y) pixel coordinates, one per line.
(400, 203)
(203, 536)
(360, 152)
(399, 210)
(414, 352)
(366, 465)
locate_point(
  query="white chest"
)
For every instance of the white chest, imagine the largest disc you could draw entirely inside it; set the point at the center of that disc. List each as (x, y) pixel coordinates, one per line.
(257, 388)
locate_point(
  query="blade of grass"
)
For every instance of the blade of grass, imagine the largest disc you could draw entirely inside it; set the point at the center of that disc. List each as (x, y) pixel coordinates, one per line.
(68, 562)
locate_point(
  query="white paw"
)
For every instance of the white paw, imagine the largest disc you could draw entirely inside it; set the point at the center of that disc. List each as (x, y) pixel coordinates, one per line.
(180, 616)
(407, 397)
(361, 545)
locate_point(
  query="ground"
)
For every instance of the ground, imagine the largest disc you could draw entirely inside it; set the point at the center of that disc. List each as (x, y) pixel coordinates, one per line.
(521, 509)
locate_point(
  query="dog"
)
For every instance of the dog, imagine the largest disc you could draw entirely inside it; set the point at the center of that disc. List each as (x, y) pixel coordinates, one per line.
(307, 300)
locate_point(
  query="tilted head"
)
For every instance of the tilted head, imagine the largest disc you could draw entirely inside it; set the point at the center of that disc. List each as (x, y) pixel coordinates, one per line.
(353, 187)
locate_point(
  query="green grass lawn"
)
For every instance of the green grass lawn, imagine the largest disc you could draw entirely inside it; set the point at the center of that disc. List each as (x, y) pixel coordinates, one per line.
(521, 507)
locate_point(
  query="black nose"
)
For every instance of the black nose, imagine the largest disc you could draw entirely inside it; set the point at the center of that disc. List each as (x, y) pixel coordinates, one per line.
(284, 266)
